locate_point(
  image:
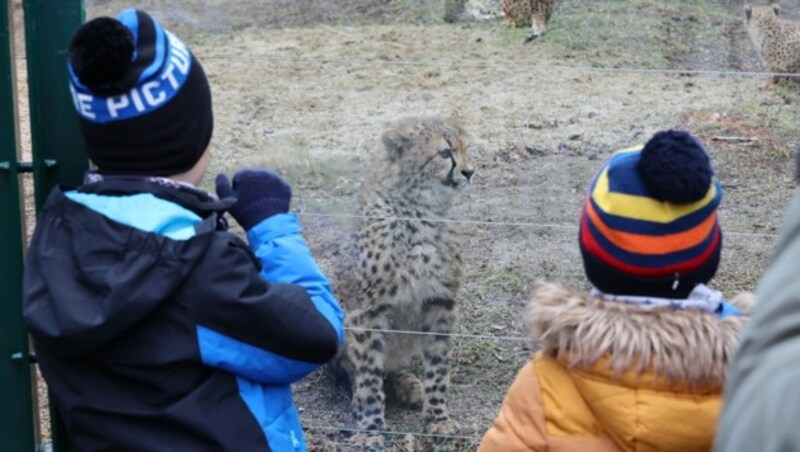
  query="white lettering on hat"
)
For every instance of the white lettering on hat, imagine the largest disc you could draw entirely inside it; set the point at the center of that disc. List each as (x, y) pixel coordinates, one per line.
(168, 75)
(85, 105)
(147, 91)
(137, 99)
(117, 103)
(152, 93)
(83, 102)
(180, 60)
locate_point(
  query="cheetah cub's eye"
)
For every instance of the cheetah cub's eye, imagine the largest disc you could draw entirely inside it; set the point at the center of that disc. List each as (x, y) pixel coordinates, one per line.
(446, 153)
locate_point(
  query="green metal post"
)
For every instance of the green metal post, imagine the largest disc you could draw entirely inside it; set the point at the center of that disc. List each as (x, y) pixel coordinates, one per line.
(16, 402)
(59, 156)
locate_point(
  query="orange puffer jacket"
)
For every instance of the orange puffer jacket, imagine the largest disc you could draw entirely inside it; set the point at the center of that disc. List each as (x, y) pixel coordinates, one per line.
(612, 377)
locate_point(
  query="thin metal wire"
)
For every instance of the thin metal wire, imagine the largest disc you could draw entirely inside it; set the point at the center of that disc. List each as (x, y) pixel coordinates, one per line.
(440, 220)
(429, 333)
(385, 432)
(506, 67)
(509, 67)
(493, 223)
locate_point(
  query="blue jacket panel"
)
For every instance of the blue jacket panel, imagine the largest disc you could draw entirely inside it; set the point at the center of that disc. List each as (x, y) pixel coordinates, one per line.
(285, 257)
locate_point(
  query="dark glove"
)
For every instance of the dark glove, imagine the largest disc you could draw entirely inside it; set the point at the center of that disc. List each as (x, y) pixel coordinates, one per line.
(259, 195)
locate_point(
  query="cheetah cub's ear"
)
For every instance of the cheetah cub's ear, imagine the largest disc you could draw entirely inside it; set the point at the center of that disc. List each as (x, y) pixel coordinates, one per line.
(748, 11)
(396, 143)
(776, 8)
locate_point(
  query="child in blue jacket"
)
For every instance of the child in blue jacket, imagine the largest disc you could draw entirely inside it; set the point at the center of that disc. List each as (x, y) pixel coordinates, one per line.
(155, 328)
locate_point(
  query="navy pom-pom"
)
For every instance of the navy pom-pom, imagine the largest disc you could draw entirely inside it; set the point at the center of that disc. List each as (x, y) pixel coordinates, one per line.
(675, 168)
(101, 51)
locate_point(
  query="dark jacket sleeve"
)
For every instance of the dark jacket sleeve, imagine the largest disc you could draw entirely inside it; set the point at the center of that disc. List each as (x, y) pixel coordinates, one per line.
(762, 395)
(270, 332)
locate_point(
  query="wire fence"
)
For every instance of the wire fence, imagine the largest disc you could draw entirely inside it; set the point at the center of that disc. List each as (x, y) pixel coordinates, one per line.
(370, 63)
(457, 335)
(399, 437)
(348, 430)
(330, 429)
(382, 63)
(520, 224)
(478, 336)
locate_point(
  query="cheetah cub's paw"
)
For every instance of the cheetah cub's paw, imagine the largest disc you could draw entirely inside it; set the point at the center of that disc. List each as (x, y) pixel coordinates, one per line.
(368, 442)
(407, 388)
(442, 427)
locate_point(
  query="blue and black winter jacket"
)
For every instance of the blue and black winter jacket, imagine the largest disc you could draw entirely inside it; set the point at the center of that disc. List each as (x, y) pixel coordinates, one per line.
(158, 330)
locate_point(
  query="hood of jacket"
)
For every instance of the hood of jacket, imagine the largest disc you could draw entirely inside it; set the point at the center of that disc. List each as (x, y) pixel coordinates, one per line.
(687, 346)
(640, 373)
(88, 279)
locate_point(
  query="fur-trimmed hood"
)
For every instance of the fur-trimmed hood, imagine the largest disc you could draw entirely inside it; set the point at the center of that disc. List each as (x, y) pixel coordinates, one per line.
(689, 346)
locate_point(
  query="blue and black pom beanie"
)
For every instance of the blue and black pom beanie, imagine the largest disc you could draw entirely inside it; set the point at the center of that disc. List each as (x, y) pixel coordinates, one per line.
(142, 98)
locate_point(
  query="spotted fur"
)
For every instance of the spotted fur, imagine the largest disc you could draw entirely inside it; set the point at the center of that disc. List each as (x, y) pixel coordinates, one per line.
(776, 40)
(402, 272)
(528, 13)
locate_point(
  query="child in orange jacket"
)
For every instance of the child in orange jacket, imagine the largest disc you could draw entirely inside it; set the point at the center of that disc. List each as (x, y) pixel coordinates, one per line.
(639, 362)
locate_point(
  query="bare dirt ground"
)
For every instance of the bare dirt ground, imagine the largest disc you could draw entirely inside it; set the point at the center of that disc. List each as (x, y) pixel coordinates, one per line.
(307, 86)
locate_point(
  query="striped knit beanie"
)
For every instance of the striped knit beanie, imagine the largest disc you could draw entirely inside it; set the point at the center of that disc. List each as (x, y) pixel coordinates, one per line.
(142, 98)
(649, 223)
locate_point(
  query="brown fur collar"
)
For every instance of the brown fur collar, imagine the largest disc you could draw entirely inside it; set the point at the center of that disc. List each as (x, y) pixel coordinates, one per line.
(690, 346)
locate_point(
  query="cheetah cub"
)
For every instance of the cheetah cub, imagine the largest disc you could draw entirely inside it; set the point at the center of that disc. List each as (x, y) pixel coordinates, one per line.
(402, 272)
(776, 40)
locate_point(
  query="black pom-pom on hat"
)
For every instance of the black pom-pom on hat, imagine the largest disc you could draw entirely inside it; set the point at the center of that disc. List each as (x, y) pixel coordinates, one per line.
(101, 51)
(675, 168)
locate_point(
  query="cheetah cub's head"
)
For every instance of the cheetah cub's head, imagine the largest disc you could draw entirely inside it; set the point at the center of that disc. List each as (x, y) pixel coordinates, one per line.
(758, 17)
(429, 153)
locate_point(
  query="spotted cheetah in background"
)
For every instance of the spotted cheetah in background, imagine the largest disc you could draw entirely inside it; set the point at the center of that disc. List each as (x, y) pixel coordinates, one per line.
(776, 40)
(402, 271)
(528, 13)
